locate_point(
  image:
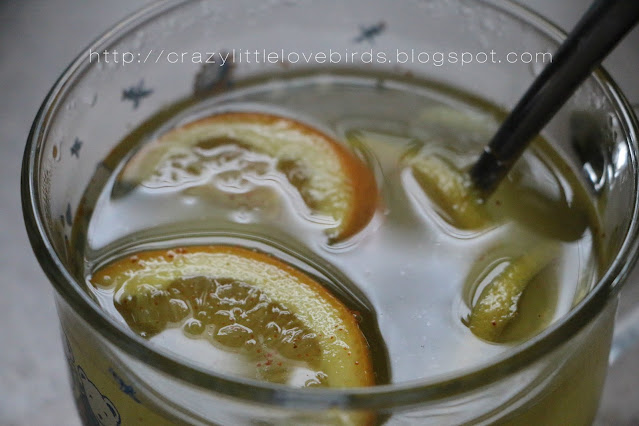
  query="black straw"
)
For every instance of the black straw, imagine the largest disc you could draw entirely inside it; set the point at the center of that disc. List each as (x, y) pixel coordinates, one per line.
(604, 24)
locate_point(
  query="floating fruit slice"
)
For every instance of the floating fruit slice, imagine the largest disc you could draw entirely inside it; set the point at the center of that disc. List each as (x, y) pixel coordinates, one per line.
(331, 180)
(465, 129)
(450, 190)
(247, 302)
(498, 302)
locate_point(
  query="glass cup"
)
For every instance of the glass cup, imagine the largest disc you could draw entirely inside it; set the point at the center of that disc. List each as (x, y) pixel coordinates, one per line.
(119, 378)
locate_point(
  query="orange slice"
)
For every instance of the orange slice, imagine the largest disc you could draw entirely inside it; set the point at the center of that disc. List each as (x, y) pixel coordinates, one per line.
(331, 180)
(246, 302)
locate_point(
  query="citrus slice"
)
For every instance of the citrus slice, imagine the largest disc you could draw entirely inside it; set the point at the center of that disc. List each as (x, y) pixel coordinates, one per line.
(245, 302)
(450, 190)
(498, 302)
(460, 130)
(331, 180)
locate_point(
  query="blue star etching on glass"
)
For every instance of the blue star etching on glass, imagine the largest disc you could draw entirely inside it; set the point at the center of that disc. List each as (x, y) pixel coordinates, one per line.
(136, 93)
(369, 33)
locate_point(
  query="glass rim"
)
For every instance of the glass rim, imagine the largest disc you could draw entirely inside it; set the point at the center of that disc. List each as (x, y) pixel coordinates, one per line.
(374, 397)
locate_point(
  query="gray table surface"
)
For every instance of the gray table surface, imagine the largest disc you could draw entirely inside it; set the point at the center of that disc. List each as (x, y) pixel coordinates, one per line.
(37, 39)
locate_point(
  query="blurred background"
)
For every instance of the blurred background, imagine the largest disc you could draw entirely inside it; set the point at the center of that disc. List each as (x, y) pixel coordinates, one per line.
(37, 40)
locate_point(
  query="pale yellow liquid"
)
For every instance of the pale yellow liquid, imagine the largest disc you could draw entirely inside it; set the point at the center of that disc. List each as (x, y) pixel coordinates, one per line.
(412, 274)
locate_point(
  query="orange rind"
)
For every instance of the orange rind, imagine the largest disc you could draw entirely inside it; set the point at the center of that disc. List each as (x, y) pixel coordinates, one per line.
(247, 302)
(332, 181)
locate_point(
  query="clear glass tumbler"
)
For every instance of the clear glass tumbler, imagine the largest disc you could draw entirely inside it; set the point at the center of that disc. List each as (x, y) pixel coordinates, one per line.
(118, 378)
